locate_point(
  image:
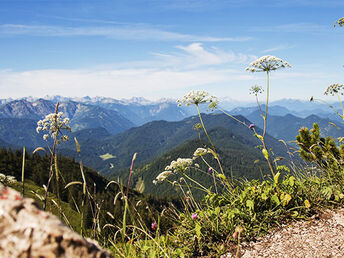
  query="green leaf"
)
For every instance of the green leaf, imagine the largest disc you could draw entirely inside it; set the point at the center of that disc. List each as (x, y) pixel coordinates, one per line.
(276, 178)
(265, 153)
(294, 214)
(285, 198)
(198, 229)
(307, 204)
(264, 196)
(250, 204)
(275, 199)
(222, 176)
(259, 136)
(291, 181)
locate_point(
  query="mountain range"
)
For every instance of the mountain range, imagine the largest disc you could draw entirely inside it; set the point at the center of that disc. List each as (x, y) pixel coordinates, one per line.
(110, 131)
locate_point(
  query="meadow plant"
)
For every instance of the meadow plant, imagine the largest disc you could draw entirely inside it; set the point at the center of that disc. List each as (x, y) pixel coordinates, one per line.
(265, 64)
(54, 126)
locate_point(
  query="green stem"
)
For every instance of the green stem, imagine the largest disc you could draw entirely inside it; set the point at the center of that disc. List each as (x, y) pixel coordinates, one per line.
(341, 103)
(192, 180)
(267, 102)
(205, 130)
(233, 117)
(265, 119)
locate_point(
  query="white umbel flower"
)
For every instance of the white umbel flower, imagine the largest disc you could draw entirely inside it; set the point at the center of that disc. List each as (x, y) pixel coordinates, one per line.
(200, 152)
(163, 175)
(196, 97)
(179, 165)
(266, 64)
(53, 124)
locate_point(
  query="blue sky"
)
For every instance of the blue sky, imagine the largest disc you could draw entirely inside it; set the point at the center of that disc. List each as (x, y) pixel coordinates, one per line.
(162, 48)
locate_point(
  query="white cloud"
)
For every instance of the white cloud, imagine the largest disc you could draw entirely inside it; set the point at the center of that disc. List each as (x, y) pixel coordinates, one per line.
(195, 55)
(293, 28)
(277, 48)
(125, 32)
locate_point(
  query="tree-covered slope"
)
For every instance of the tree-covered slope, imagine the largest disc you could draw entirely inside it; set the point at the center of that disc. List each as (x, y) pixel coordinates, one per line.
(157, 137)
(238, 160)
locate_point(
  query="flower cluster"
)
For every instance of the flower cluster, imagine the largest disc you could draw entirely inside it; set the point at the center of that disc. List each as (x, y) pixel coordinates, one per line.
(53, 124)
(266, 64)
(200, 152)
(256, 89)
(197, 97)
(334, 89)
(179, 165)
(163, 175)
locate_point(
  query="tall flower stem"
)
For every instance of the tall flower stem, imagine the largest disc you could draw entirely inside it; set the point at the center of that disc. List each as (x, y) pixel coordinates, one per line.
(267, 102)
(205, 131)
(265, 121)
(52, 154)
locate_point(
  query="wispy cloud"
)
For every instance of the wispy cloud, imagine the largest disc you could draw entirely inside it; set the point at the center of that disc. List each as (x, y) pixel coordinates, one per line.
(118, 32)
(277, 48)
(293, 28)
(309, 3)
(196, 55)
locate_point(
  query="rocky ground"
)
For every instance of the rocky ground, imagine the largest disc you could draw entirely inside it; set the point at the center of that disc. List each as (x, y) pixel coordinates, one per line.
(26, 231)
(321, 236)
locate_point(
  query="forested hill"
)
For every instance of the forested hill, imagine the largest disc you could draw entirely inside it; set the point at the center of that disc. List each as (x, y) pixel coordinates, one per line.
(238, 160)
(153, 139)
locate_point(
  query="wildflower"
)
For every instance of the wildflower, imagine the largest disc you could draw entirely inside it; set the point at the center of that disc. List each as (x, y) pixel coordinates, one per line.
(179, 165)
(154, 225)
(213, 103)
(210, 169)
(53, 124)
(251, 126)
(256, 89)
(334, 89)
(266, 64)
(196, 97)
(200, 152)
(194, 216)
(163, 175)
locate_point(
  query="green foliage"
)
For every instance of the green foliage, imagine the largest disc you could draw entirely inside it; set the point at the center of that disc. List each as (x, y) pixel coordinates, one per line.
(323, 151)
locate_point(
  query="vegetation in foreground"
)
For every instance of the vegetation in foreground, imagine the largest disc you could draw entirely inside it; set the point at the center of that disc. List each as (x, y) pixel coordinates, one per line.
(231, 210)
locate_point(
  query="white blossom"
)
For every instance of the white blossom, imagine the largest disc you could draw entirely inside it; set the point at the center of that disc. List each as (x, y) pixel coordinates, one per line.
(266, 64)
(53, 124)
(200, 152)
(179, 165)
(163, 175)
(256, 89)
(196, 97)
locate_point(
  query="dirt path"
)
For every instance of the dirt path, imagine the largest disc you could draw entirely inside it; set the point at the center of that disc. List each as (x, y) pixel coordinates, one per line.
(322, 236)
